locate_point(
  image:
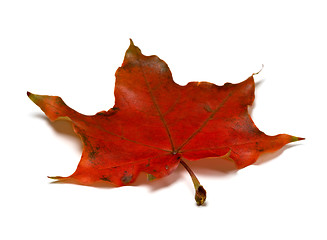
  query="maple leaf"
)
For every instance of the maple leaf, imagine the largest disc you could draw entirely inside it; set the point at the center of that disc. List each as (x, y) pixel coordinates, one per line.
(156, 123)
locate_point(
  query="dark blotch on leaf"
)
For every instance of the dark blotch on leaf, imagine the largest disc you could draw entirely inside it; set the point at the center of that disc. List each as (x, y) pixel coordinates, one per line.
(126, 178)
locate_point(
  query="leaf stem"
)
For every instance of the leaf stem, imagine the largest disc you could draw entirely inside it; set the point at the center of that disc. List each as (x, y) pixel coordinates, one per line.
(200, 192)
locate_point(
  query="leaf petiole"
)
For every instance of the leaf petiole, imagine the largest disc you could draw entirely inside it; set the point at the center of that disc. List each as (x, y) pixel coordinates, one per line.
(200, 192)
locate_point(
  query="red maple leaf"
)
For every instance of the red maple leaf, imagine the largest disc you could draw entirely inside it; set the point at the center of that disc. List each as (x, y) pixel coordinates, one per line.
(156, 123)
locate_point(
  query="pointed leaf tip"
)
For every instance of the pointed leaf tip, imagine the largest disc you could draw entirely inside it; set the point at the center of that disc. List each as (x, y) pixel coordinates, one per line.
(131, 42)
(55, 177)
(295, 139)
(132, 53)
(34, 97)
(31, 96)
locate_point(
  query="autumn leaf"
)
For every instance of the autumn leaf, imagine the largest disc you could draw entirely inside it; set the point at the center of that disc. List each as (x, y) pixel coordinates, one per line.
(156, 124)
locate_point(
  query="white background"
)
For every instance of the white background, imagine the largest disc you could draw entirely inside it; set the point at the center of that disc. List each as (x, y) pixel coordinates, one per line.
(73, 48)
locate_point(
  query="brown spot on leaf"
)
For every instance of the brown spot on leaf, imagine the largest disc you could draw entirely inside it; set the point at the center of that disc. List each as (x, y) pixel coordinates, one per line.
(126, 178)
(105, 179)
(207, 108)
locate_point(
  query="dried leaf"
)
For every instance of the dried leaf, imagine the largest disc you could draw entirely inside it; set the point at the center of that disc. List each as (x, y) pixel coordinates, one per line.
(156, 123)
